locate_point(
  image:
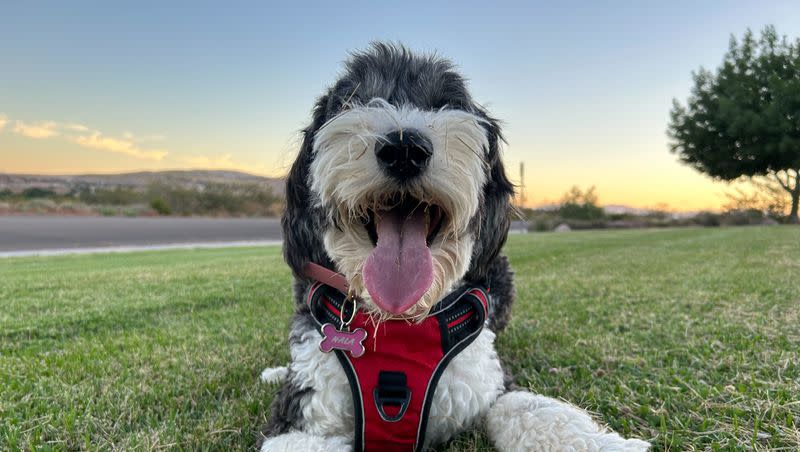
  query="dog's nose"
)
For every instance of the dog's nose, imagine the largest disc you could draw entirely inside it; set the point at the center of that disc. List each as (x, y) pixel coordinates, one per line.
(403, 154)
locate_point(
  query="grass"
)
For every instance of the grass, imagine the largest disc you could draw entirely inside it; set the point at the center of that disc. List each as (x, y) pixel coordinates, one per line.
(688, 338)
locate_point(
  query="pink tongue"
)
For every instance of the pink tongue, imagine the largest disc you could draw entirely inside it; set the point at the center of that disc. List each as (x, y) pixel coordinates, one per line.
(400, 268)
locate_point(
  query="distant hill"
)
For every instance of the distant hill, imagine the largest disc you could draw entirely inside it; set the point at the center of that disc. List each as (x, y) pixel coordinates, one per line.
(189, 179)
(146, 193)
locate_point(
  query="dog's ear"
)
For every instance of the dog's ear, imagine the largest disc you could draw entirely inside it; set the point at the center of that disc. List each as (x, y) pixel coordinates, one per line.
(302, 221)
(494, 218)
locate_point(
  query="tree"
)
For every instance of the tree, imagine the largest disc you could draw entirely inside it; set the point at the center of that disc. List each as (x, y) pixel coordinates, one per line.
(579, 205)
(744, 120)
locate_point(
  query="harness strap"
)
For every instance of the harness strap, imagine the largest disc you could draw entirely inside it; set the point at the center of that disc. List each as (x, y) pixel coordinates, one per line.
(393, 382)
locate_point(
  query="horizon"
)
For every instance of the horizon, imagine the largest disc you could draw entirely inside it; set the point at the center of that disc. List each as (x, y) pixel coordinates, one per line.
(543, 205)
(583, 91)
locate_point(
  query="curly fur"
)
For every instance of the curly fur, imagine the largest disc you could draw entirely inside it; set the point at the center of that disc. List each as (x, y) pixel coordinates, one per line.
(521, 421)
(348, 182)
(335, 181)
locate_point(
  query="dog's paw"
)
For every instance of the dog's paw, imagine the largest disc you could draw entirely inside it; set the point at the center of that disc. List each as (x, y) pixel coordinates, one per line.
(274, 375)
(300, 441)
(521, 421)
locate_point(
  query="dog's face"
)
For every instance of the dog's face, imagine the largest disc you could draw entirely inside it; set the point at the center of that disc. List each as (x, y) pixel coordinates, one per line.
(398, 184)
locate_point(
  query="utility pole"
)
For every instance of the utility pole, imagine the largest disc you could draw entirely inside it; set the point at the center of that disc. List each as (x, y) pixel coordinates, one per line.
(522, 198)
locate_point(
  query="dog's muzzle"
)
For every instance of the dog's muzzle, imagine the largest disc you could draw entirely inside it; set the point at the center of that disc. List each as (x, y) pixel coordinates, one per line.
(403, 154)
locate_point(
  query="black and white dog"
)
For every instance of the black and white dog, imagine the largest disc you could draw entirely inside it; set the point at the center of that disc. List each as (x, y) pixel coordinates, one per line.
(399, 186)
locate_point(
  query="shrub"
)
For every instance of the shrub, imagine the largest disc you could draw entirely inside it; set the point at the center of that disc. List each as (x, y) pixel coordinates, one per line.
(160, 206)
(579, 205)
(36, 192)
(708, 219)
(117, 197)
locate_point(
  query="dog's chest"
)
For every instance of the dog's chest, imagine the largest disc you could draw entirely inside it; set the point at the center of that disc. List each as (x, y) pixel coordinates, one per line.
(466, 390)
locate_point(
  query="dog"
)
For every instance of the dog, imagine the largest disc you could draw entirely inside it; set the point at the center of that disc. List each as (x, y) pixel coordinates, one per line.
(399, 193)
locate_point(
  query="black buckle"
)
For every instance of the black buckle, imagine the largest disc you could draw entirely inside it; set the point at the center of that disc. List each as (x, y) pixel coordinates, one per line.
(392, 391)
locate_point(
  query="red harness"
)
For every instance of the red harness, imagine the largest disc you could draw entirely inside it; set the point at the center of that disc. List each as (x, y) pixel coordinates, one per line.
(393, 381)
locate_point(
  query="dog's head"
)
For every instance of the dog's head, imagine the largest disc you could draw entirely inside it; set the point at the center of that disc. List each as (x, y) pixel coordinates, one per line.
(399, 183)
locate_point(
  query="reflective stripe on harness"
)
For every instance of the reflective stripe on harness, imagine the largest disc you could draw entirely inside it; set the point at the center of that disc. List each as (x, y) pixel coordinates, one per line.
(394, 380)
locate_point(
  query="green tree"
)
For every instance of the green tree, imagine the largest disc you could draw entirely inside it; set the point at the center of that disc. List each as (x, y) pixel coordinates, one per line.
(579, 205)
(744, 120)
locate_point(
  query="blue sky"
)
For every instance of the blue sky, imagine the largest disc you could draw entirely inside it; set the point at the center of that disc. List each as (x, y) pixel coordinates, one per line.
(584, 88)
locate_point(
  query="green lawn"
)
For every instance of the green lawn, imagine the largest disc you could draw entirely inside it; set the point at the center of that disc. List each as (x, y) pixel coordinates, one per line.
(688, 338)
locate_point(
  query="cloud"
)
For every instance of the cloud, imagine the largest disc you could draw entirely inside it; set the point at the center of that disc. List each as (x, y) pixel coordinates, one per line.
(88, 137)
(76, 127)
(142, 139)
(47, 129)
(38, 130)
(125, 145)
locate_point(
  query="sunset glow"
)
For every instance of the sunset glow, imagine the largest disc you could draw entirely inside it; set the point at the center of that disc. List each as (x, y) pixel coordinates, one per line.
(584, 91)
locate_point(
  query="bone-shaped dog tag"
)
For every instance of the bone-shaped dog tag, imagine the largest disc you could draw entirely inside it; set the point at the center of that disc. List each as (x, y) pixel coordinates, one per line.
(349, 341)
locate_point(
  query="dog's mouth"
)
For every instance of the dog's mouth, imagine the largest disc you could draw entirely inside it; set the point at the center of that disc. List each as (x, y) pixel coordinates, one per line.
(434, 218)
(399, 270)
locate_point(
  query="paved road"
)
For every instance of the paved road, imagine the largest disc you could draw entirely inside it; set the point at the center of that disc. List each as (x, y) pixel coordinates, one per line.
(30, 233)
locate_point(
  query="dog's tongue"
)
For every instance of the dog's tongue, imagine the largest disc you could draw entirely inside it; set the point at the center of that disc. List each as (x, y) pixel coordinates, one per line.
(400, 269)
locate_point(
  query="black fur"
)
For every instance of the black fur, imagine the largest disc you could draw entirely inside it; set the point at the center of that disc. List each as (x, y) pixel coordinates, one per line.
(501, 291)
(302, 222)
(286, 408)
(400, 77)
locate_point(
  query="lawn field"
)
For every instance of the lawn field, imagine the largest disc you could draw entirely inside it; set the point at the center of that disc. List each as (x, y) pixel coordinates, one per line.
(688, 338)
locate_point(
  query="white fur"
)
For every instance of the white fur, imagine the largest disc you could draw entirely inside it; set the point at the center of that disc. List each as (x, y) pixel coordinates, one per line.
(328, 410)
(273, 375)
(304, 442)
(521, 421)
(348, 182)
(468, 387)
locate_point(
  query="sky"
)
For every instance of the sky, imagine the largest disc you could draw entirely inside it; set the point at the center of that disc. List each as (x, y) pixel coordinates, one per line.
(584, 89)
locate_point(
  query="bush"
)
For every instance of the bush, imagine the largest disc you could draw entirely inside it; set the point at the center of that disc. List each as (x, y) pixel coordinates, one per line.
(215, 199)
(578, 205)
(708, 219)
(108, 211)
(742, 217)
(118, 196)
(581, 212)
(38, 205)
(160, 206)
(36, 192)
(219, 199)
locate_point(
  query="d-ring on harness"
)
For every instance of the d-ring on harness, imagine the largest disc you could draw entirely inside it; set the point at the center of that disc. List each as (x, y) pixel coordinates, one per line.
(392, 370)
